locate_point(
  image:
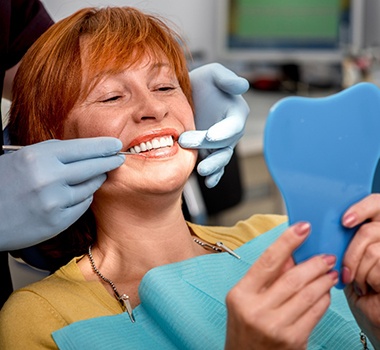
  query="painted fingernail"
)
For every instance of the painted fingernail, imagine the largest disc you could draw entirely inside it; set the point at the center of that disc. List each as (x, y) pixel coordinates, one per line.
(302, 228)
(346, 275)
(334, 275)
(329, 259)
(349, 220)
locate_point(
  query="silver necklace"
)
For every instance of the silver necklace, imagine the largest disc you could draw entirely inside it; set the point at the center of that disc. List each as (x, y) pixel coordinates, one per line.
(218, 247)
(122, 299)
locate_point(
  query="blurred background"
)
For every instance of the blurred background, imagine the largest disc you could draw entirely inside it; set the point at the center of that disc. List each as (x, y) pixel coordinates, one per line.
(284, 48)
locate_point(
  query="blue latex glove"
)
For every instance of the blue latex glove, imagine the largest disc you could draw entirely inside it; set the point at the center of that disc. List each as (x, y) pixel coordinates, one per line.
(46, 187)
(220, 116)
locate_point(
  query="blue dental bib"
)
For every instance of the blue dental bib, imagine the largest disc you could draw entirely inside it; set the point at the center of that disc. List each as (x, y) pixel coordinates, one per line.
(183, 308)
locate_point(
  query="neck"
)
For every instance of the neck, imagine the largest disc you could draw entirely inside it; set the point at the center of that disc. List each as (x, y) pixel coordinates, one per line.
(132, 239)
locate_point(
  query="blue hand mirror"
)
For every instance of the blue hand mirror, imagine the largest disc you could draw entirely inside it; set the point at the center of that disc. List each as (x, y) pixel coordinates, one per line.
(323, 154)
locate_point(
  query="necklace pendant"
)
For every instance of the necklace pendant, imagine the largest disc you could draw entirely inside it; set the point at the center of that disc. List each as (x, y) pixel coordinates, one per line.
(124, 300)
(218, 247)
(226, 249)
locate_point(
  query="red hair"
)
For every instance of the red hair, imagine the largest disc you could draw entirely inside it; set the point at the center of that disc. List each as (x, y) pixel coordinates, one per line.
(51, 80)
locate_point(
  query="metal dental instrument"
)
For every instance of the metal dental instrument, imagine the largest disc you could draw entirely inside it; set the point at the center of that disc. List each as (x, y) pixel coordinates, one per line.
(16, 148)
(11, 147)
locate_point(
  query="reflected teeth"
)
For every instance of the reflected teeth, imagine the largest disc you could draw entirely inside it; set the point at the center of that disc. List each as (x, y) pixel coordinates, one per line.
(166, 141)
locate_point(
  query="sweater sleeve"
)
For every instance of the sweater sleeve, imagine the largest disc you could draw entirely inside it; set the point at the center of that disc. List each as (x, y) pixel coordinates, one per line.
(26, 327)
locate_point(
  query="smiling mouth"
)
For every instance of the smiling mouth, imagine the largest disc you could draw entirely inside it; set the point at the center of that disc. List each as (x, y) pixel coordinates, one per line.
(156, 143)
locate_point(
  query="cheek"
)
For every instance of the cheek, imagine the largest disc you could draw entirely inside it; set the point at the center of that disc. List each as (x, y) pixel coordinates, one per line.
(82, 125)
(191, 125)
(70, 130)
(75, 125)
(193, 156)
(186, 115)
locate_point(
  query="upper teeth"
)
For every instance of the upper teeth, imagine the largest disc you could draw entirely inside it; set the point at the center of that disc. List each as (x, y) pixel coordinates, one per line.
(166, 141)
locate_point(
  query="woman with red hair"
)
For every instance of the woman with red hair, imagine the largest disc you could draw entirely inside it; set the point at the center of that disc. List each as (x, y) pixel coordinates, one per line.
(36, 202)
(133, 257)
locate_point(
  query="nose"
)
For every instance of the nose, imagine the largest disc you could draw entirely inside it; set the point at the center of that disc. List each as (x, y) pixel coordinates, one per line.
(150, 105)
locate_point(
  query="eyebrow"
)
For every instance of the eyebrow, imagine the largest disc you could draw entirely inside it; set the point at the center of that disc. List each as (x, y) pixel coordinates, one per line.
(154, 67)
(159, 65)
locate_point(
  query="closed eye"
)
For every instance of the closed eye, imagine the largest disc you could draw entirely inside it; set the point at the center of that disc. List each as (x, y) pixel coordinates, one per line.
(166, 88)
(111, 99)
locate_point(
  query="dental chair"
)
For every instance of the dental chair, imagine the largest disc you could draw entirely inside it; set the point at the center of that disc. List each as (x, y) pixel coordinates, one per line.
(201, 202)
(23, 274)
(193, 206)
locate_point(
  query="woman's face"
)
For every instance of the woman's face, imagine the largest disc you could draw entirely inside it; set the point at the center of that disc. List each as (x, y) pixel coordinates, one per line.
(146, 109)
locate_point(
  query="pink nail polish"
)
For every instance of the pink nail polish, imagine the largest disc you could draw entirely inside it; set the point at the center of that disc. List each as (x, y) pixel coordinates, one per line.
(334, 275)
(349, 220)
(346, 275)
(329, 259)
(302, 228)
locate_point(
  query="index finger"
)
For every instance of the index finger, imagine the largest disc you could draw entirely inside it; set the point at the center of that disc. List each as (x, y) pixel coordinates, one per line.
(200, 139)
(272, 262)
(193, 139)
(230, 127)
(366, 209)
(68, 151)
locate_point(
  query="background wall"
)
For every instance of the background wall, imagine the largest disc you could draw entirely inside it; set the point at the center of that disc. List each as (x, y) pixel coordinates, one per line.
(198, 22)
(196, 18)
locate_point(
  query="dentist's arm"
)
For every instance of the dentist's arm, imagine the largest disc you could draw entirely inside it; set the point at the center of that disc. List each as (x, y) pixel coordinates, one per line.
(46, 187)
(220, 116)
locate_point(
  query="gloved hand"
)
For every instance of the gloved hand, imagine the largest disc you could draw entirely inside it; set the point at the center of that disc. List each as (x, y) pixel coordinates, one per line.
(46, 187)
(220, 116)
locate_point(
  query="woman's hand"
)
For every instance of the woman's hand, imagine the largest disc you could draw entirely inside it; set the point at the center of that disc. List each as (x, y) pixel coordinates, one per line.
(277, 303)
(361, 263)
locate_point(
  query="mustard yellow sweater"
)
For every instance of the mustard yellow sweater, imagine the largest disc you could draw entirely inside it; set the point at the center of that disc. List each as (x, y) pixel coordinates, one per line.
(32, 313)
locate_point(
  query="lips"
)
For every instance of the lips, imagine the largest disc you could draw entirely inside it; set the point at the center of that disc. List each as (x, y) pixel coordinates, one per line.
(153, 144)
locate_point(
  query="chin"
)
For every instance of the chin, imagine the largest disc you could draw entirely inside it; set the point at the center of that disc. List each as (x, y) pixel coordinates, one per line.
(160, 178)
(167, 180)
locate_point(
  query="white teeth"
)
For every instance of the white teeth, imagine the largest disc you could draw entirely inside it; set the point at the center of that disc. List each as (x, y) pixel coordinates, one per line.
(163, 142)
(156, 143)
(166, 141)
